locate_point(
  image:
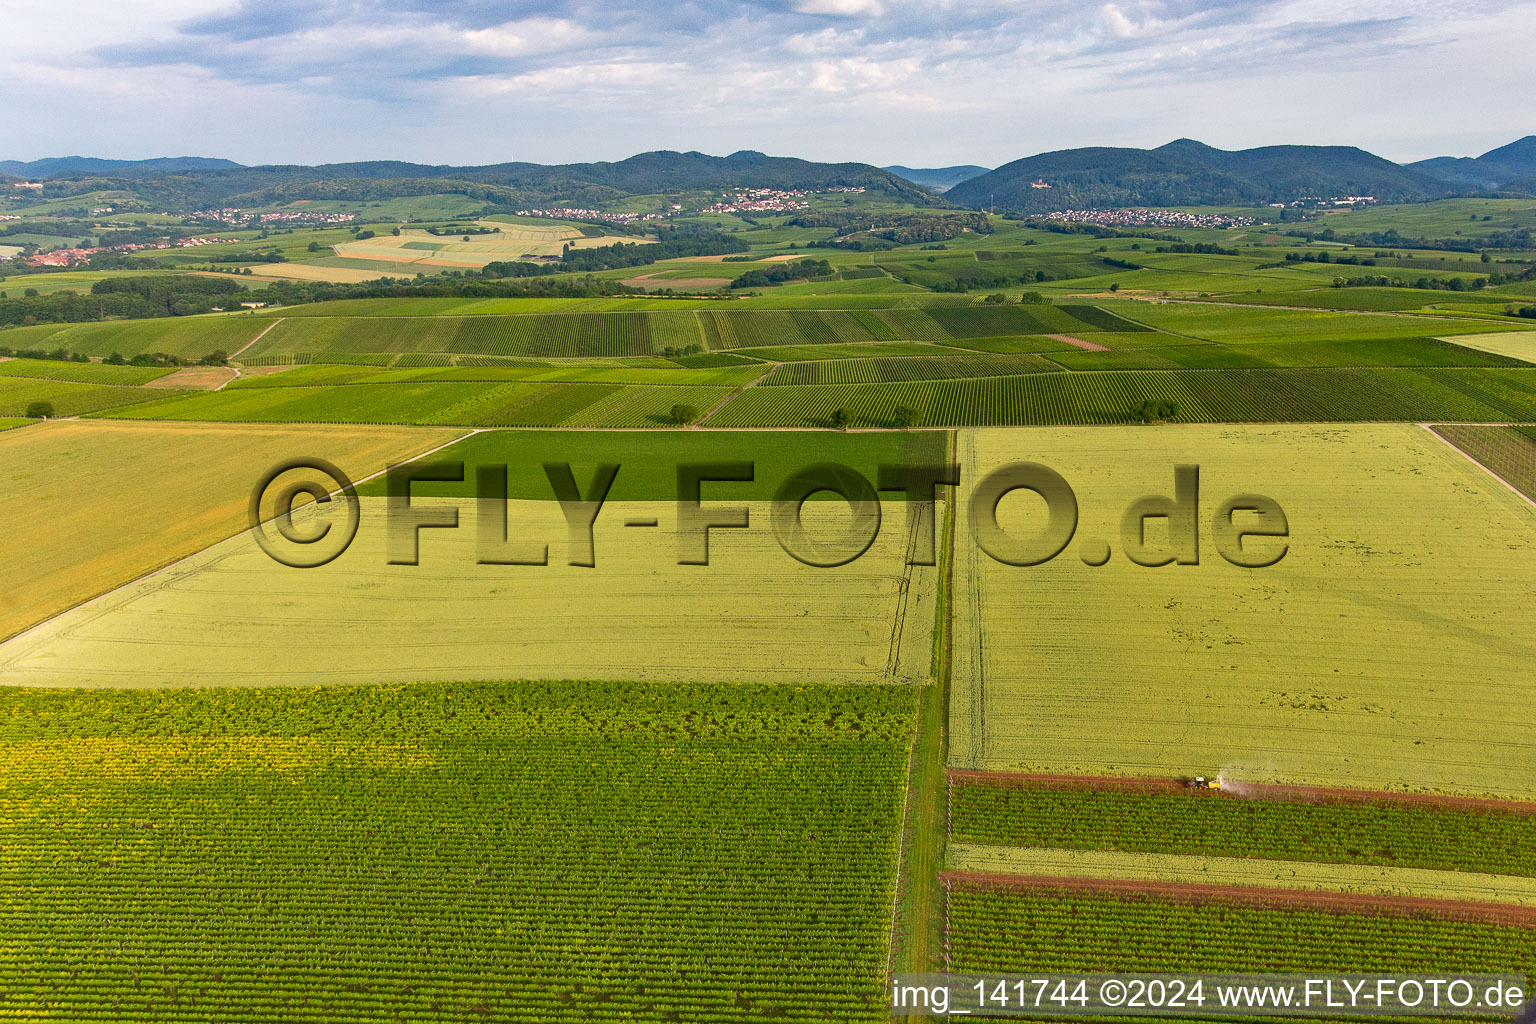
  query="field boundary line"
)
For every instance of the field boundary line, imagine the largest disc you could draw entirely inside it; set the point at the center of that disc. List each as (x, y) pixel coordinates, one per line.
(188, 557)
(1261, 896)
(1467, 455)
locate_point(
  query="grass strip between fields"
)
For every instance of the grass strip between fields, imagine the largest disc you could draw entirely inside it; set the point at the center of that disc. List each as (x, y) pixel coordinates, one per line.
(1373, 879)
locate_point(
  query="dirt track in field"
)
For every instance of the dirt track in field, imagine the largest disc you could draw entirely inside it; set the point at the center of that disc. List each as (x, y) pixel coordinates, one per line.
(1089, 346)
(1250, 790)
(1247, 895)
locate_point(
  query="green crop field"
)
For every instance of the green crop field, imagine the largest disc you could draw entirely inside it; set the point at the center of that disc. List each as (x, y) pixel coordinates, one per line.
(187, 337)
(68, 398)
(84, 373)
(565, 851)
(1240, 324)
(441, 404)
(1302, 672)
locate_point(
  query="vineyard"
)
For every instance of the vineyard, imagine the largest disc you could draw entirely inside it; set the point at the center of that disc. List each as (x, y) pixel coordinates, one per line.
(999, 928)
(83, 373)
(1238, 396)
(1085, 817)
(68, 398)
(906, 368)
(189, 337)
(586, 334)
(507, 851)
(1507, 452)
(434, 403)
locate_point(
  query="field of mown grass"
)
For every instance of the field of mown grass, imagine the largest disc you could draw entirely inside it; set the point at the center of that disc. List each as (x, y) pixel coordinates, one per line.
(90, 505)
(1310, 671)
(1379, 880)
(753, 614)
(512, 851)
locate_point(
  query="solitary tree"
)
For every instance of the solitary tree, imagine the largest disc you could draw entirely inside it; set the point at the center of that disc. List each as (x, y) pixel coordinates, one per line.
(841, 419)
(1155, 410)
(684, 413)
(903, 416)
(40, 410)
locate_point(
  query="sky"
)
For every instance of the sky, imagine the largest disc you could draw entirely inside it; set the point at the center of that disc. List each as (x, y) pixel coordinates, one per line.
(925, 83)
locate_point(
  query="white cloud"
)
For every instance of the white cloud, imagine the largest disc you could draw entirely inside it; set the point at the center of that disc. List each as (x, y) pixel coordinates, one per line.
(908, 81)
(841, 8)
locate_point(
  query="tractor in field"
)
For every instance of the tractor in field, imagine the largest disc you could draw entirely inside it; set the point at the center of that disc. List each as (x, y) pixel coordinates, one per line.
(1201, 782)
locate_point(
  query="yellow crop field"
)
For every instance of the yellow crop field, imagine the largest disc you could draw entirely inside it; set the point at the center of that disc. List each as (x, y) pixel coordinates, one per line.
(233, 616)
(1372, 879)
(1514, 344)
(1389, 648)
(316, 272)
(509, 242)
(89, 505)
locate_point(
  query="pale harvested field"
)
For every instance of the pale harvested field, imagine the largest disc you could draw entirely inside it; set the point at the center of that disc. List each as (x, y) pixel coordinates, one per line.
(197, 378)
(231, 616)
(310, 272)
(656, 281)
(1390, 649)
(90, 504)
(1371, 879)
(1514, 344)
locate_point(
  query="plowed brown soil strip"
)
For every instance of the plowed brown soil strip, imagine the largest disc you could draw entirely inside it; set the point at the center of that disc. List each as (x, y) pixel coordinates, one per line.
(1249, 790)
(1091, 346)
(1246, 895)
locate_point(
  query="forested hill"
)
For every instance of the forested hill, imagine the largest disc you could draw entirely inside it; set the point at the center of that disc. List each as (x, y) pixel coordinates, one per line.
(1502, 168)
(61, 166)
(1186, 172)
(662, 171)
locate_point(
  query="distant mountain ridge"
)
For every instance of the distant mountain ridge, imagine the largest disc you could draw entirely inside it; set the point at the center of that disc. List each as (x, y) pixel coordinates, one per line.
(68, 165)
(1493, 170)
(940, 179)
(661, 171)
(1186, 172)
(1181, 173)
